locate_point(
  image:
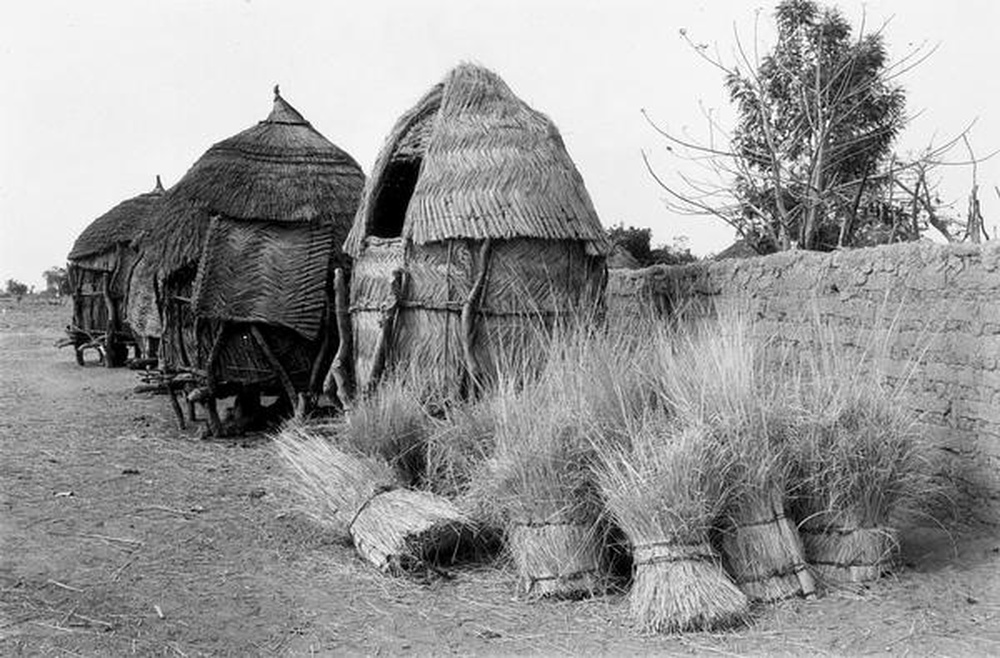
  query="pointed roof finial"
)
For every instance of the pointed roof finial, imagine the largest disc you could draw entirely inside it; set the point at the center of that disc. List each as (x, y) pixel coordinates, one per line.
(159, 185)
(277, 93)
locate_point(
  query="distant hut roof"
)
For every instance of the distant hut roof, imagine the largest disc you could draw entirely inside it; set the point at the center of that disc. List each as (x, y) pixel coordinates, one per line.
(622, 259)
(281, 170)
(480, 163)
(119, 224)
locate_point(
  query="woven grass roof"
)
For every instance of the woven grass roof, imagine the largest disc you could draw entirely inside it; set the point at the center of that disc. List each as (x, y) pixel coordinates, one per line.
(119, 224)
(280, 170)
(480, 163)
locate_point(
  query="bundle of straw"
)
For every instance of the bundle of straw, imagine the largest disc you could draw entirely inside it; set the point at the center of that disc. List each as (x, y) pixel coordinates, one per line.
(862, 469)
(395, 528)
(861, 465)
(719, 376)
(661, 494)
(537, 487)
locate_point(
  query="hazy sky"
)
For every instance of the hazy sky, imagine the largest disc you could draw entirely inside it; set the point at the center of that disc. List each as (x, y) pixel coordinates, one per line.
(100, 96)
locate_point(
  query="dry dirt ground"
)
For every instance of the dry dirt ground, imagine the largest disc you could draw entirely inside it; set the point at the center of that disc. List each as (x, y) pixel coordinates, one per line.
(120, 534)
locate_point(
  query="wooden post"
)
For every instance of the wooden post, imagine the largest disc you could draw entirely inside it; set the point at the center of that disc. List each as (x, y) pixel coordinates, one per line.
(279, 370)
(176, 406)
(339, 378)
(388, 323)
(110, 327)
(213, 356)
(214, 424)
(469, 313)
(315, 385)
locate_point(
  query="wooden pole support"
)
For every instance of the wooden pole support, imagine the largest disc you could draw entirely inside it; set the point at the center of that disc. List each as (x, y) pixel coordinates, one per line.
(388, 323)
(469, 313)
(279, 370)
(340, 378)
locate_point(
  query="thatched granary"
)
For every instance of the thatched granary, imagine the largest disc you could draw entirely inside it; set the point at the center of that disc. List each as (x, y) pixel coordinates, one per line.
(100, 265)
(474, 224)
(243, 247)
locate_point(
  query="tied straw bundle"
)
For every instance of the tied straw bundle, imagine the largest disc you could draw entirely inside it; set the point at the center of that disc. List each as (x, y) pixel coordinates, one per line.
(659, 492)
(717, 375)
(395, 528)
(861, 466)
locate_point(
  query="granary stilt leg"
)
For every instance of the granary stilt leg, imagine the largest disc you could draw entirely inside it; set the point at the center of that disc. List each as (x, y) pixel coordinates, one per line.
(172, 394)
(279, 370)
(214, 424)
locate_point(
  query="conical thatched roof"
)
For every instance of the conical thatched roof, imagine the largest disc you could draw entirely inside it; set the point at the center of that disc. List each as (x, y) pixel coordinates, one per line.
(481, 164)
(281, 170)
(119, 224)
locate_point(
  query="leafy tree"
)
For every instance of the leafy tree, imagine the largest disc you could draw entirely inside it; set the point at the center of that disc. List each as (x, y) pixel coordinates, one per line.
(637, 242)
(810, 161)
(816, 119)
(56, 281)
(16, 288)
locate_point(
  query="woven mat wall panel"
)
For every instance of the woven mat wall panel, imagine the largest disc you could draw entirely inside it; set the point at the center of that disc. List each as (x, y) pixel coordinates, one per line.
(264, 272)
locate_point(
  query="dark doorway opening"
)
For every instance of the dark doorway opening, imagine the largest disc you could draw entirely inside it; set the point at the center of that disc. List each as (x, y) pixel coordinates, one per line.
(398, 182)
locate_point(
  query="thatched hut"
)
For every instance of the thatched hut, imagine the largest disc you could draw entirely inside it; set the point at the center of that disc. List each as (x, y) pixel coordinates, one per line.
(243, 248)
(474, 225)
(100, 265)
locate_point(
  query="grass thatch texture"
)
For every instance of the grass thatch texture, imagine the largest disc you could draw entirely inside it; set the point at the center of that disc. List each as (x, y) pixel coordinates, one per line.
(334, 483)
(763, 551)
(555, 557)
(716, 374)
(477, 162)
(394, 528)
(660, 493)
(118, 225)
(849, 555)
(401, 529)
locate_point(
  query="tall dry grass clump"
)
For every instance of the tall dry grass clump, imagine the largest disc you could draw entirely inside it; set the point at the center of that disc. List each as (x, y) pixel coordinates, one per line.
(862, 465)
(537, 487)
(390, 422)
(538, 484)
(659, 492)
(715, 373)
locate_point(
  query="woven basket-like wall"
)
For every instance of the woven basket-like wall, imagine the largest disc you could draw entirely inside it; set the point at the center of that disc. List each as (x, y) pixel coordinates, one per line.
(530, 283)
(86, 278)
(90, 312)
(142, 310)
(179, 342)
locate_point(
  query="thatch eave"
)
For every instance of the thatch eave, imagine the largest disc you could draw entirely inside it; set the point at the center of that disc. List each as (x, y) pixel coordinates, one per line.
(118, 225)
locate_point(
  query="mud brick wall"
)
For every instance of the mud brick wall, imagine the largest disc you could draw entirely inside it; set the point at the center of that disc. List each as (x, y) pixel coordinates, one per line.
(944, 304)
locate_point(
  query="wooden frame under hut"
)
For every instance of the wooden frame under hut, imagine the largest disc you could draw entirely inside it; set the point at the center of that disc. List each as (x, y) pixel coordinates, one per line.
(244, 248)
(474, 224)
(100, 266)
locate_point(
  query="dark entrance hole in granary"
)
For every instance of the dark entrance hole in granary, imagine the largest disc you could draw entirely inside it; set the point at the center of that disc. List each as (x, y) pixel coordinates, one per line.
(394, 194)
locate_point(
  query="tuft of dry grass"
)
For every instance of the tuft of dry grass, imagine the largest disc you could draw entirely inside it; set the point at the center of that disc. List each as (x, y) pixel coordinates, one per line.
(391, 422)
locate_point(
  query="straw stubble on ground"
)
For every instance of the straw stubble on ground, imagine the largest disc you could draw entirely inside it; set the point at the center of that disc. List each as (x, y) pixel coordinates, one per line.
(119, 534)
